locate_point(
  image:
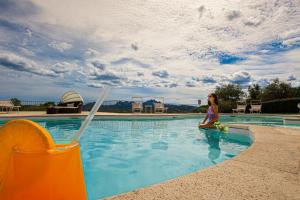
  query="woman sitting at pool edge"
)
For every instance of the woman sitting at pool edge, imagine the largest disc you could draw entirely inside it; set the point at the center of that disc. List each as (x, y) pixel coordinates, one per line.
(212, 115)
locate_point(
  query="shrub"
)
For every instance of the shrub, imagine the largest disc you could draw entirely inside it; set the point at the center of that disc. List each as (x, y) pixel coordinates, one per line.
(16, 101)
(226, 106)
(33, 108)
(281, 106)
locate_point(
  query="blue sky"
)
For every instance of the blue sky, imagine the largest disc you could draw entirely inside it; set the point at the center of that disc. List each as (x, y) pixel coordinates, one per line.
(178, 49)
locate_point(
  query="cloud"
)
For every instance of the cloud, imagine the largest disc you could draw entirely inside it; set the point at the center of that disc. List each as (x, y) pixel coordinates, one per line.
(95, 85)
(241, 78)
(263, 82)
(233, 14)
(227, 58)
(134, 46)
(140, 73)
(190, 84)
(173, 85)
(26, 52)
(292, 78)
(91, 53)
(211, 41)
(254, 21)
(161, 74)
(201, 11)
(99, 64)
(105, 76)
(290, 37)
(6, 24)
(208, 79)
(60, 46)
(17, 63)
(63, 67)
(18, 8)
(126, 60)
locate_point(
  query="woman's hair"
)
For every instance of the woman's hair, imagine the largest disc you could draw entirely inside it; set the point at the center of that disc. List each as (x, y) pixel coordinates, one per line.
(215, 99)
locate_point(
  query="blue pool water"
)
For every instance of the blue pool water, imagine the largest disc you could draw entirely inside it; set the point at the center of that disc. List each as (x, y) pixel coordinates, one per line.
(123, 155)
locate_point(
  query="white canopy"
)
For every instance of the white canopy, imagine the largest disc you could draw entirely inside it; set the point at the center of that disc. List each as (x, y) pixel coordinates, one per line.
(71, 96)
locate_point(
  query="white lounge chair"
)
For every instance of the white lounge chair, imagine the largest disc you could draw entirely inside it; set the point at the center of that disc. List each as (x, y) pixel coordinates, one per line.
(137, 107)
(255, 106)
(8, 106)
(137, 104)
(240, 107)
(159, 107)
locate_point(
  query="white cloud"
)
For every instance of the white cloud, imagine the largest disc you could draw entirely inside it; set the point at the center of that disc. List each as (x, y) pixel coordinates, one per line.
(90, 53)
(292, 78)
(241, 78)
(179, 22)
(63, 67)
(233, 14)
(60, 46)
(118, 40)
(18, 63)
(26, 52)
(254, 21)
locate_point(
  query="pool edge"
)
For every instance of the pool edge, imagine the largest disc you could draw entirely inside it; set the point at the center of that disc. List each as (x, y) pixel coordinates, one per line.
(270, 166)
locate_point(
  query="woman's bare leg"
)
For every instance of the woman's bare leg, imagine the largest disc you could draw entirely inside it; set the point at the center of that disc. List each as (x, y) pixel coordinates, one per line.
(208, 125)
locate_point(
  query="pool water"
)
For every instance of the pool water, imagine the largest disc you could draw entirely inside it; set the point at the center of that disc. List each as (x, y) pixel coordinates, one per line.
(120, 156)
(123, 155)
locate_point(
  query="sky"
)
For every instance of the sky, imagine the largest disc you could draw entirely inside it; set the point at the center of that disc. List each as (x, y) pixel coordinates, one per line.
(178, 49)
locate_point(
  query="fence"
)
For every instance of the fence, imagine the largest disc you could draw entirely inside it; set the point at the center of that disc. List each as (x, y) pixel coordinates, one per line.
(35, 103)
(108, 106)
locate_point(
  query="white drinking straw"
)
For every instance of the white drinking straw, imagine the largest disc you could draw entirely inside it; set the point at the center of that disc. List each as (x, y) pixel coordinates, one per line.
(91, 115)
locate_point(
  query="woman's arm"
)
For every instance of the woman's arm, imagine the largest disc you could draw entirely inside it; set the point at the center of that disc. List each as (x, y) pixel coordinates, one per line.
(206, 117)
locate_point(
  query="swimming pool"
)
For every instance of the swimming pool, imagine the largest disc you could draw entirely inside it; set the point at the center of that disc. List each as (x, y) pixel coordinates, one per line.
(121, 155)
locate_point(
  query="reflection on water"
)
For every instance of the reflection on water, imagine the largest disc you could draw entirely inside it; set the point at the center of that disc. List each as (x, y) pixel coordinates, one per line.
(219, 142)
(62, 130)
(160, 145)
(213, 140)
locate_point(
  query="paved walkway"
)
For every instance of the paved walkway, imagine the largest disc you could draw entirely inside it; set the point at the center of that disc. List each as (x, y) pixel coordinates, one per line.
(269, 170)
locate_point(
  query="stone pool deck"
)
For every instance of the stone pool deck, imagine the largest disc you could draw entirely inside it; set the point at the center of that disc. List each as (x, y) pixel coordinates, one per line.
(269, 169)
(23, 114)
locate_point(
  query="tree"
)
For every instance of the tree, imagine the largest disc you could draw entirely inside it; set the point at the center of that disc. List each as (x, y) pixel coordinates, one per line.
(16, 101)
(277, 90)
(228, 95)
(229, 92)
(254, 91)
(296, 91)
(49, 103)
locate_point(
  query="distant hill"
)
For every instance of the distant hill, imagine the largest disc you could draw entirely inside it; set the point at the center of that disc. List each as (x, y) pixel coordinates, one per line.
(125, 107)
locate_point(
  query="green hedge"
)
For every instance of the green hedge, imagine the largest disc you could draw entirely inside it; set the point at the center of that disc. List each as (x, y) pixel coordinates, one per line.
(226, 106)
(33, 108)
(281, 106)
(274, 106)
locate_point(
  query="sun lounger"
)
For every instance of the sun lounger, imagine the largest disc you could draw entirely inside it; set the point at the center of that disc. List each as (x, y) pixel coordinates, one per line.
(137, 104)
(71, 102)
(137, 107)
(8, 106)
(240, 107)
(159, 108)
(255, 106)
